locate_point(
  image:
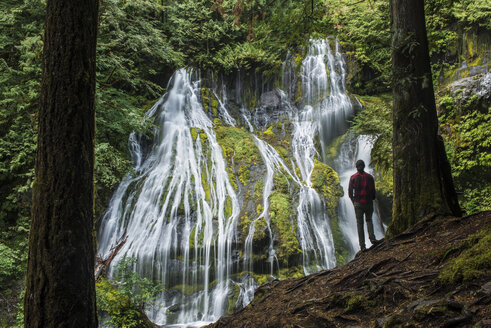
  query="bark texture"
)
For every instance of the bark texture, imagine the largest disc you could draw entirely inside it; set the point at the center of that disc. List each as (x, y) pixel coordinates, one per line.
(422, 179)
(60, 289)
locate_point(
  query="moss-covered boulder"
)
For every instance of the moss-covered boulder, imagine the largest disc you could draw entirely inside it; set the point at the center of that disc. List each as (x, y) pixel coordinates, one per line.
(240, 151)
(282, 218)
(326, 182)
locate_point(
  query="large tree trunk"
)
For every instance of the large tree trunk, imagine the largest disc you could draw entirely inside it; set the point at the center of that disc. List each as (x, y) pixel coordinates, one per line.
(60, 290)
(422, 179)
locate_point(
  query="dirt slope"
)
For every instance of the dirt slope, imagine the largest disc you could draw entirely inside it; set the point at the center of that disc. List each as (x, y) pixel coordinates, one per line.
(393, 284)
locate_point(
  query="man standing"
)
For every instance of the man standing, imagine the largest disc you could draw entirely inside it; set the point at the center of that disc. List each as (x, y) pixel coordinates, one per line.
(361, 191)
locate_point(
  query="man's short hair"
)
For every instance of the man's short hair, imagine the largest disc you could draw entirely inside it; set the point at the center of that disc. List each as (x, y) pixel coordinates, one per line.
(360, 164)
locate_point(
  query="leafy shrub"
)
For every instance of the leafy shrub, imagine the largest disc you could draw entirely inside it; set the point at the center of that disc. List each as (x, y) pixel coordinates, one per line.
(125, 297)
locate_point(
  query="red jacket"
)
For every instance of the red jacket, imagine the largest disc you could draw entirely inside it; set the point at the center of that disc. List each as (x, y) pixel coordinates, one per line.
(361, 188)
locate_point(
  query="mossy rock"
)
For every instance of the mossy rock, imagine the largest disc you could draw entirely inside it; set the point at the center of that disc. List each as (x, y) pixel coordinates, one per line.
(326, 182)
(232, 299)
(473, 262)
(240, 151)
(281, 182)
(281, 214)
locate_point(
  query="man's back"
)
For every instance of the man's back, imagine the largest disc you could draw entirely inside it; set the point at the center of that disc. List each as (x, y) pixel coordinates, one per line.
(361, 188)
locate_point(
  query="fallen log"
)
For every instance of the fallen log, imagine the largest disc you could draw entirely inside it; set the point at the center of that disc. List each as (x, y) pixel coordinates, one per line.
(102, 264)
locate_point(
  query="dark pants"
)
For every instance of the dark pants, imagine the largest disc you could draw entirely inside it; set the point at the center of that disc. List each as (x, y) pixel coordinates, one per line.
(367, 210)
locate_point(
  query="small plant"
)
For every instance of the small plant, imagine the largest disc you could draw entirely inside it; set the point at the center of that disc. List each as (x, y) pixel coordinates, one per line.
(126, 296)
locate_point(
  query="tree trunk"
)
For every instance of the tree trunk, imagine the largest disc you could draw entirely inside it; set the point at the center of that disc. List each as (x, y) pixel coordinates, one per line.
(60, 289)
(422, 179)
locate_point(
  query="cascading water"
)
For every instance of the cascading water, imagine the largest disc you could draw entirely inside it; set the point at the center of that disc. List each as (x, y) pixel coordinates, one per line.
(170, 209)
(181, 211)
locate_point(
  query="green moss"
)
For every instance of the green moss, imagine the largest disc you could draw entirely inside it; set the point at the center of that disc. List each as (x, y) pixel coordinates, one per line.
(237, 143)
(258, 189)
(214, 105)
(292, 272)
(282, 151)
(260, 231)
(340, 245)
(297, 171)
(357, 303)
(281, 182)
(326, 182)
(194, 133)
(299, 91)
(205, 96)
(298, 59)
(231, 177)
(206, 186)
(233, 300)
(473, 262)
(216, 121)
(228, 207)
(240, 151)
(245, 221)
(244, 174)
(331, 151)
(260, 278)
(202, 136)
(281, 213)
(269, 132)
(192, 238)
(259, 209)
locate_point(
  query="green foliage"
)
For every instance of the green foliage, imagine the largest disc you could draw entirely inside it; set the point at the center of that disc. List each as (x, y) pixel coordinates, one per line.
(442, 39)
(466, 129)
(20, 72)
(125, 298)
(245, 56)
(363, 27)
(233, 34)
(473, 12)
(473, 262)
(132, 49)
(8, 260)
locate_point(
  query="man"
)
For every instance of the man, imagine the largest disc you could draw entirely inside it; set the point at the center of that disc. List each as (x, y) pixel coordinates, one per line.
(361, 191)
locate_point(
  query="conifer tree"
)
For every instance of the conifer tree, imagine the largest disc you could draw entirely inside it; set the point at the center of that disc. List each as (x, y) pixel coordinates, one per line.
(60, 290)
(422, 177)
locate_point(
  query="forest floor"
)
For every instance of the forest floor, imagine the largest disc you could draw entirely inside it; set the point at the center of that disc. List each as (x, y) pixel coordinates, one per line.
(436, 274)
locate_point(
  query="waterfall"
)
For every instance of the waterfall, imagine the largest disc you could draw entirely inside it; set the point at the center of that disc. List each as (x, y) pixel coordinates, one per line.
(181, 213)
(182, 210)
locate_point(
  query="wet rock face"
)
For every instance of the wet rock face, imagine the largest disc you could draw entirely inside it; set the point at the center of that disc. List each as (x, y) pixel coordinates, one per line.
(269, 110)
(476, 89)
